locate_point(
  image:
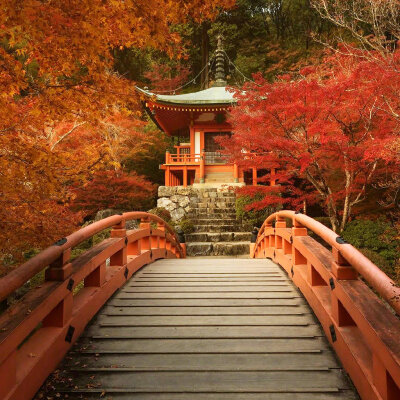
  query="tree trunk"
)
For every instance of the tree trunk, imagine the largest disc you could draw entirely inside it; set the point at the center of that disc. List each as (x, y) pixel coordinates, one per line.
(205, 46)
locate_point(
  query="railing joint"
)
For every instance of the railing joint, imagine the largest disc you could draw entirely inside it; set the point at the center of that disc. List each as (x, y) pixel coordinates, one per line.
(60, 242)
(70, 334)
(340, 240)
(70, 285)
(333, 333)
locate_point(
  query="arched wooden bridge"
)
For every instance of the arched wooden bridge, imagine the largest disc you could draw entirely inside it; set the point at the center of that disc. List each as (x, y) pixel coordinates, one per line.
(132, 318)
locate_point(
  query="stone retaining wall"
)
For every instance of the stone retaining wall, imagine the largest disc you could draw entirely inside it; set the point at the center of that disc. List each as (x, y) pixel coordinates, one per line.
(177, 200)
(180, 201)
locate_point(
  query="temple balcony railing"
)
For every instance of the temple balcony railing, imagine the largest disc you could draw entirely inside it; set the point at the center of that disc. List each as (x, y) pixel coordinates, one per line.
(183, 159)
(195, 159)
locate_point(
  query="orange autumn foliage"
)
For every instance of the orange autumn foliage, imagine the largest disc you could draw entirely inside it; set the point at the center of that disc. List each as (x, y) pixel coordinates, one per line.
(56, 71)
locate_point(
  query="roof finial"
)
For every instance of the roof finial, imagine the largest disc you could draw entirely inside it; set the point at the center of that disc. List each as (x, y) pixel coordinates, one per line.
(220, 78)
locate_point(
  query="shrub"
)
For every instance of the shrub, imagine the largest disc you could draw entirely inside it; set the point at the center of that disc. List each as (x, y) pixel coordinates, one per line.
(186, 225)
(251, 218)
(161, 212)
(378, 240)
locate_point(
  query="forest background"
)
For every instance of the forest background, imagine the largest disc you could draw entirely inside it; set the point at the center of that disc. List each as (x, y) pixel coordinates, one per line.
(74, 139)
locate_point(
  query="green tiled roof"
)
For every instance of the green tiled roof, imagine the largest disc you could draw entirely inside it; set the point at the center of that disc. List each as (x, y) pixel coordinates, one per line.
(213, 95)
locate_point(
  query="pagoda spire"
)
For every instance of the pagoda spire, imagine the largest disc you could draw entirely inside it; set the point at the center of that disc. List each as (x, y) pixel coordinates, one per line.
(220, 78)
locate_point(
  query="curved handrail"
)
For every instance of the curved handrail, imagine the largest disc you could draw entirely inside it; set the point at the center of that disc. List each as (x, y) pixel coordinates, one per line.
(16, 278)
(361, 329)
(385, 286)
(52, 315)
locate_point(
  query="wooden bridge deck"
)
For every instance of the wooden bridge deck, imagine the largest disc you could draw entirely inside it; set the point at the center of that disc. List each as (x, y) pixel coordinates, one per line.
(213, 329)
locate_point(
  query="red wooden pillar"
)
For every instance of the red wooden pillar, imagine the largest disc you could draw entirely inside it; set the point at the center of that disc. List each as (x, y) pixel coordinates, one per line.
(167, 177)
(167, 169)
(185, 176)
(192, 144)
(254, 176)
(235, 173)
(202, 166)
(273, 180)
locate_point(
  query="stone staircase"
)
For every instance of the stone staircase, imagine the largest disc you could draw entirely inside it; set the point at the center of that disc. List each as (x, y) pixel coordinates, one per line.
(217, 232)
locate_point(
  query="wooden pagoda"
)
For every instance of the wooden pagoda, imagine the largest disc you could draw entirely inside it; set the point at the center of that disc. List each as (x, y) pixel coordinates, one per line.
(200, 117)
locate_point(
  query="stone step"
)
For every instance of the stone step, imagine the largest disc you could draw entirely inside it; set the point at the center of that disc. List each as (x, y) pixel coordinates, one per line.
(217, 195)
(218, 237)
(216, 204)
(208, 210)
(214, 221)
(217, 228)
(217, 249)
(194, 216)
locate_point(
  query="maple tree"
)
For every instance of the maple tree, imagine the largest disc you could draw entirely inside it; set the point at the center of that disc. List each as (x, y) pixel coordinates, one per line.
(165, 78)
(113, 190)
(56, 78)
(329, 128)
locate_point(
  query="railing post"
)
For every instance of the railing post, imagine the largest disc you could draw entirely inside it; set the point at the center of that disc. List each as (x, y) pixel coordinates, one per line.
(280, 223)
(59, 316)
(97, 277)
(167, 157)
(161, 240)
(60, 269)
(120, 257)
(145, 242)
(202, 166)
(298, 230)
(341, 269)
(383, 381)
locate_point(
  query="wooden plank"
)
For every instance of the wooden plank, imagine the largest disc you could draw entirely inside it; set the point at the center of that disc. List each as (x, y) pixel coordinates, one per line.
(213, 295)
(126, 394)
(216, 381)
(208, 278)
(239, 283)
(205, 362)
(194, 332)
(213, 274)
(209, 320)
(166, 302)
(211, 346)
(209, 289)
(221, 311)
(214, 329)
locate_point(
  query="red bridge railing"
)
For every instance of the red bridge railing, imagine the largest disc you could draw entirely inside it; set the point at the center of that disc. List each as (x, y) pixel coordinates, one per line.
(37, 331)
(364, 332)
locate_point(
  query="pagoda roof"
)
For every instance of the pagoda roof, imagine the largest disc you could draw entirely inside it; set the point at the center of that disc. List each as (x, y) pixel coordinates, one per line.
(213, 95)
